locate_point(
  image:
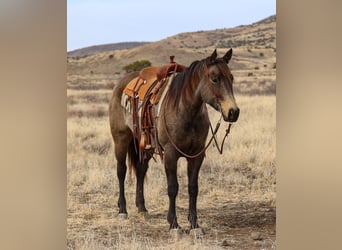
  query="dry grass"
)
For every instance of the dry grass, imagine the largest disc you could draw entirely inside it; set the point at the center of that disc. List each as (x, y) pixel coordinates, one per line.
(237, 189)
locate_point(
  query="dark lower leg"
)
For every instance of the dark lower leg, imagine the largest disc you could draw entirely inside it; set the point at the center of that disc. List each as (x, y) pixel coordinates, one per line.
(193, 192)
(140, 200)
(121, 172)
(122, 140)
(194, 166)
(172, 188)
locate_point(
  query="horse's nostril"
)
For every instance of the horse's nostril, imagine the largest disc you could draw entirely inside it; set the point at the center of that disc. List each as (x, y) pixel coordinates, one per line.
(233, 114)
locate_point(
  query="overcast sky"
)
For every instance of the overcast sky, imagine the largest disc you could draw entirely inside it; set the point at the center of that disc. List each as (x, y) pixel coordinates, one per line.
(94, 22)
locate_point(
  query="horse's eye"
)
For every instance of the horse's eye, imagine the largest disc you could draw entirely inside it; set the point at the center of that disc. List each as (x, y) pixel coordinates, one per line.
(215, 79)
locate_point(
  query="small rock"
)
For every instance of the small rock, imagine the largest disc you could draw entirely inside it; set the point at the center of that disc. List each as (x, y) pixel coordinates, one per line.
(258, 243)
(144, 215)
(256, 236)
(225, 243)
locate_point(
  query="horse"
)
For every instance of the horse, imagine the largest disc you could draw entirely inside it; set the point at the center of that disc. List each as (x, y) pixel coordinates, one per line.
(182, 126)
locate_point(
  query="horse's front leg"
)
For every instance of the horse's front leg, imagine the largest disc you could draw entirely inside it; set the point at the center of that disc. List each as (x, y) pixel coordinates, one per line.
(194, 166)
(170, 164)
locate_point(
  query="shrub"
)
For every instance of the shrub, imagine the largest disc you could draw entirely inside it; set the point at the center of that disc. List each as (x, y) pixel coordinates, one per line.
(137, 65)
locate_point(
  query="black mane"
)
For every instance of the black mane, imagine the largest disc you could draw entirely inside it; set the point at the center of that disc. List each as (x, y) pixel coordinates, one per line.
(184, 82)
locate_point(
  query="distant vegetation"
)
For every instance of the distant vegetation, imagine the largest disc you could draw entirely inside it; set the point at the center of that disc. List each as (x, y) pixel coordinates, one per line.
(137, 65)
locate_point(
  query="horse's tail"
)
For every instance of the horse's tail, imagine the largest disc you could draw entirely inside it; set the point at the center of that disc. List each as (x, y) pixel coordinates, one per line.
(133, 156)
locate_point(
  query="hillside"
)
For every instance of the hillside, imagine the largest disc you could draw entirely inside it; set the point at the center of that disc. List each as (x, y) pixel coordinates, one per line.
(253, 63)
(91, 50)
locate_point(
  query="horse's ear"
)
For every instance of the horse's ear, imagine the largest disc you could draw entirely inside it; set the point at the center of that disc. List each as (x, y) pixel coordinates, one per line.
(213, 56)
(228, 56)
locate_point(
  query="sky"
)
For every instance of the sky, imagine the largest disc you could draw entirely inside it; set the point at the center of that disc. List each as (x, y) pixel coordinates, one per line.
(95, 22)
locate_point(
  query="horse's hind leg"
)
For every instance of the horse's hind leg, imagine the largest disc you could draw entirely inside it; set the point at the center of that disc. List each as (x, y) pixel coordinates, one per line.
(141, 169)
(121, 141)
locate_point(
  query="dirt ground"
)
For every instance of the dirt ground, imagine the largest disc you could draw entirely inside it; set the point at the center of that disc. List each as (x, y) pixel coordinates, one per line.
(228, 225)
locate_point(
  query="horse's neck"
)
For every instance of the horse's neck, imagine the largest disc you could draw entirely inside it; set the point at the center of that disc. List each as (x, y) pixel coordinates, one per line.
(190, 110)
(187, 100)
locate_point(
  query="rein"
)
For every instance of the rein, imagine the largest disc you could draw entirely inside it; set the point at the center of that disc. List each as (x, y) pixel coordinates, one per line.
(213, 137)
(213, 132)
(220, 149)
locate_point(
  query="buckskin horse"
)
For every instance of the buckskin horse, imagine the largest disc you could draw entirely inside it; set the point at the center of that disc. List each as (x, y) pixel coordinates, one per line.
(182, 129)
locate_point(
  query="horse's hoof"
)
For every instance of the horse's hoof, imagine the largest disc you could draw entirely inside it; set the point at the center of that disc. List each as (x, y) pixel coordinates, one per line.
(196, 232)
(176, 233)
(144, 214)
(123, 216)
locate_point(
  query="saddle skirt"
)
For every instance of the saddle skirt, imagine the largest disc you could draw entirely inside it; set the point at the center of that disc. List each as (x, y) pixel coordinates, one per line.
(142, 97)
(139, 86)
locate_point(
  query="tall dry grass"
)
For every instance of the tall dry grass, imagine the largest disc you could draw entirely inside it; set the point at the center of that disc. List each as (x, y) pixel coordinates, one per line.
(243, 174)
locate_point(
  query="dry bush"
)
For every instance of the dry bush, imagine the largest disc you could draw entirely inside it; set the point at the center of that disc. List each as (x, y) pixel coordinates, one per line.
(252, 88)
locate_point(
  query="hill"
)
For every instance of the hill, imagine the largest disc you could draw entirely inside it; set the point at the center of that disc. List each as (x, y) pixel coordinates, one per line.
(253, 63)
(91, 50)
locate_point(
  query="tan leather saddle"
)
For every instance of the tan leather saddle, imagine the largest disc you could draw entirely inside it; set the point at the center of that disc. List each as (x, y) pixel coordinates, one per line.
(139, 86)
(143, 94)
(150, 79)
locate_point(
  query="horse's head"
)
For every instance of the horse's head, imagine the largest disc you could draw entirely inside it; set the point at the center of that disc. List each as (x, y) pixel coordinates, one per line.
(218, 88)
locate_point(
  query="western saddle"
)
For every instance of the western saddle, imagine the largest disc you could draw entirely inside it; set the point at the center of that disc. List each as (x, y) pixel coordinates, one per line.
(142, 97)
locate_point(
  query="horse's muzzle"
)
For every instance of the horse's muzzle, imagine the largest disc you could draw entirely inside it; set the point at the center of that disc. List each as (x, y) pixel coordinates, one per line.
(233, 115)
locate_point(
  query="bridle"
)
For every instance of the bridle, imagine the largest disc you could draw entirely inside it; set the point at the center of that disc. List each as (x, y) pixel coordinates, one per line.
(213, 131)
